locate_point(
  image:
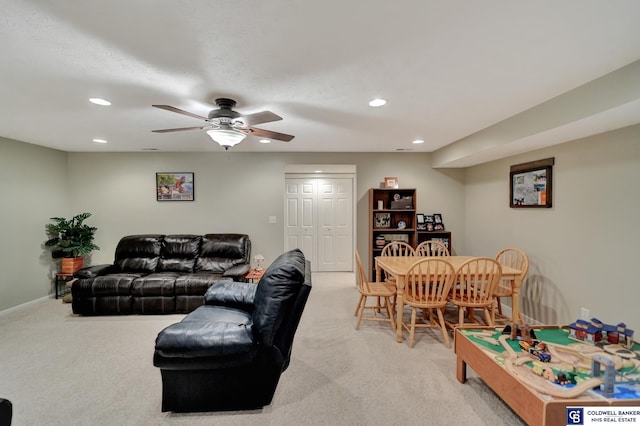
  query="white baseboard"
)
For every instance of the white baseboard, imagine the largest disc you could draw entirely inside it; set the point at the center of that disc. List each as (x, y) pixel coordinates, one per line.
(506, 311)
(24, 305)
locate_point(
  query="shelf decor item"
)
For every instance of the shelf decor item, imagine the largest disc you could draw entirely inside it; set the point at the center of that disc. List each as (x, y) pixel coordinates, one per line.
(383, 220)
(531, 183)
(402, 224)
(390, 182)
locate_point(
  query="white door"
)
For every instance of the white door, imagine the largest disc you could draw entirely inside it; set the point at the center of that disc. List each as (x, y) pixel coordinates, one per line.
(319, 221)
(335, 229)
(300, 215)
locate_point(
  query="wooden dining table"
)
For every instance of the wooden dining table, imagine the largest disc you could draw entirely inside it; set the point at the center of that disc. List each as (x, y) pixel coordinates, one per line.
(399, 267)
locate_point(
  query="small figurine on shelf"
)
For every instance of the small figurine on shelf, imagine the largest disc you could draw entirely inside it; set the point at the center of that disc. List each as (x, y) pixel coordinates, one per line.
(259, 259)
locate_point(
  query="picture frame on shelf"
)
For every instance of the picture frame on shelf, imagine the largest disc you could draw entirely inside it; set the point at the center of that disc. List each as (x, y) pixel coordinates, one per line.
(175, 186)
(396, 237)
(437, 218)
(421, 225)
(429, 226)
(428, 218)
(382, 220)
(444, 241)
(531, 184)
(390, 182)
(438, 227)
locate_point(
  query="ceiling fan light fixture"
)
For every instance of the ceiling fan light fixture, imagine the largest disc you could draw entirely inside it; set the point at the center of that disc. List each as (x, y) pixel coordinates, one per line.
(378, 102)
(226, 137)
(265, 140)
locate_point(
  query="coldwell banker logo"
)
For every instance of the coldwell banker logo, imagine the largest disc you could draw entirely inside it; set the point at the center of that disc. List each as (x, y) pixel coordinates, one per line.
(575, 416)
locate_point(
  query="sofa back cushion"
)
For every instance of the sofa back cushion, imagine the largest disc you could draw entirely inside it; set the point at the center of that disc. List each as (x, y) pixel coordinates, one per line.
(138, 253)
(220, 252)
(179, 253)
(276, 293)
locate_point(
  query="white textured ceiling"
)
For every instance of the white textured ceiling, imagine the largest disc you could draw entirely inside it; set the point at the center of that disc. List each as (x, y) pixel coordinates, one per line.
(449, 70)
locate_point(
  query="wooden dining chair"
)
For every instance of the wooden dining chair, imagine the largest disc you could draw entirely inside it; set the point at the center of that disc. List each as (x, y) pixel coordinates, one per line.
(397, 248)
(431, 298)
(475, 282)
(431, 248)
(377, 290)
(514, 258)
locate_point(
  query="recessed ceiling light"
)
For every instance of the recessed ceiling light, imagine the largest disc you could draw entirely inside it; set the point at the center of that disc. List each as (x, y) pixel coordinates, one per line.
(100, 141)
(265, 141)
(318, 171)
(417, 141)
(377, 102)
(99, 101)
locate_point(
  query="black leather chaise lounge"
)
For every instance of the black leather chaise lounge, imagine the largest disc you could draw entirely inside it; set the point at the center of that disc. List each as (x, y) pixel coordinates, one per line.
(229, 353)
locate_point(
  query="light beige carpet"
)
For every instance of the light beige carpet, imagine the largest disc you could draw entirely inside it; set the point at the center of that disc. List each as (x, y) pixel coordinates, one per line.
(60, 369)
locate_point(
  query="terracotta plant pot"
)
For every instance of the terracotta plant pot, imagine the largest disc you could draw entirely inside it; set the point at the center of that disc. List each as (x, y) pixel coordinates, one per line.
(71, 264)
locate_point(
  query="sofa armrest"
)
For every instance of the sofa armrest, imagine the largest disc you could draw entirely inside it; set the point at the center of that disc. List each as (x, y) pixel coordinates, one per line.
(232, 294)
(237, 271)
(94, 271)
(205, 339)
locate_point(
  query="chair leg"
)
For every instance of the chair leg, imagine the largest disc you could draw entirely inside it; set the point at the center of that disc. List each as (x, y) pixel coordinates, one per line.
(488, 316)
(412, 331)
(461, 315)
(390, 313)
(363, 301)
(355, 313)
(443, 328)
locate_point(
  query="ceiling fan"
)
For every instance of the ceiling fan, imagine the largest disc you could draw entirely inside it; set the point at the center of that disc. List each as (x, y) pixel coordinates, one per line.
(228, 127)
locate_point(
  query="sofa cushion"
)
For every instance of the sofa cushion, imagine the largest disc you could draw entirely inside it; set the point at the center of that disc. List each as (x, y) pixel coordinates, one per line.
(208, 332)
(197, 283)
(220, 252)
(275, 294)
(138, 253)
(105, 285)
(179, 253)
(155, 284)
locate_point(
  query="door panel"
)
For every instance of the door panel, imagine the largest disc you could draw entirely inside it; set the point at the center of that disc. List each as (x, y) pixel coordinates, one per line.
(320, 221)
(300, 216)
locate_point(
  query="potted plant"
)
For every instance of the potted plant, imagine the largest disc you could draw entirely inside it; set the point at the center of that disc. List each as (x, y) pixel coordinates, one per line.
(71, 239)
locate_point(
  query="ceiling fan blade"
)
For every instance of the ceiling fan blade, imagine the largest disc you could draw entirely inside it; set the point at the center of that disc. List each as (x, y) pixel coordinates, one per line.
(270, 135)
(179, 129)
(259, 118)
(179, 111)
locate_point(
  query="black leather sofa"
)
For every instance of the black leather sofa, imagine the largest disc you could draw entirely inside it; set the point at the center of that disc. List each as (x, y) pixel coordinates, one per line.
(160, 274)
(229, 353)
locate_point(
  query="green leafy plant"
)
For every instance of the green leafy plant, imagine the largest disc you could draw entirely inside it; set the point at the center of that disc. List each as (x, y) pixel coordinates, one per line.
(71, 237)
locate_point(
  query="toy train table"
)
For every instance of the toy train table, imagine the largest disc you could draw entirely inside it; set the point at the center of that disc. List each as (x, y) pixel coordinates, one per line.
(539, 377)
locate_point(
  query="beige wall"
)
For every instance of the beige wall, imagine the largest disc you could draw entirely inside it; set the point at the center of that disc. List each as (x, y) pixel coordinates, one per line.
(584, 249)
(34, 189)
(235, 192)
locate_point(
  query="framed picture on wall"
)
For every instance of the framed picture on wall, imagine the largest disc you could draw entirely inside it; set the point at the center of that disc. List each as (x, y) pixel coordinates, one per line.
(437, 218)
(175, 186)
(530, 184)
